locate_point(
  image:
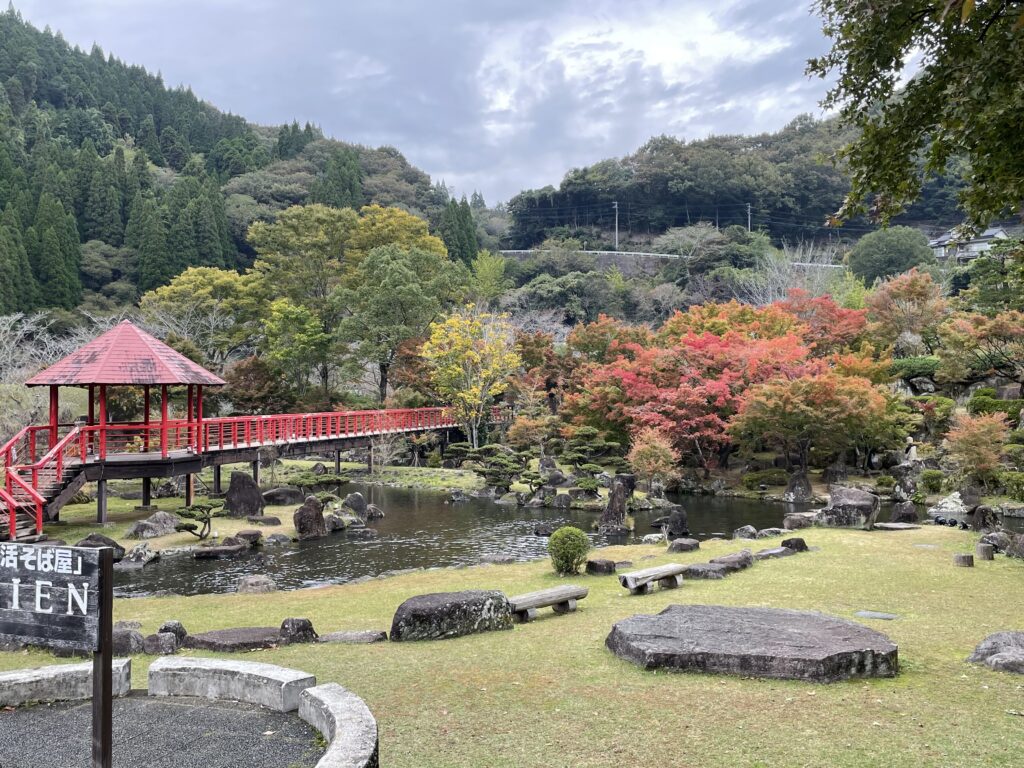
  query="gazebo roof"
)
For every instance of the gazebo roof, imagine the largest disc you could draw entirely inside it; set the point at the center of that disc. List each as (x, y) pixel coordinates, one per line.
(125, 355)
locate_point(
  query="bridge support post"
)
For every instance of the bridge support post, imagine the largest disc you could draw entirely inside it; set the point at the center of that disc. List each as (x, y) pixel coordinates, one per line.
(256, 471)
(337, 462)
(101, 501)
(190, 489)
(147, 492)
(369, 458)
(216, 479)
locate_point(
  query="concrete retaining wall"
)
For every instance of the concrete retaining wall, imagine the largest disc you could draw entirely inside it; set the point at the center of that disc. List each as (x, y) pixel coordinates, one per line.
(62, 682)
(346, 722)
(270, 686)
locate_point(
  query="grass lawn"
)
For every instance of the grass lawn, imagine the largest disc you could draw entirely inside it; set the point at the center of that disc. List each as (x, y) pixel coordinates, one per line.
(550, 694)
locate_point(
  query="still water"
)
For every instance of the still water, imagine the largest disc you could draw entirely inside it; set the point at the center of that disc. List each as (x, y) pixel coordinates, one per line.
(421, 530)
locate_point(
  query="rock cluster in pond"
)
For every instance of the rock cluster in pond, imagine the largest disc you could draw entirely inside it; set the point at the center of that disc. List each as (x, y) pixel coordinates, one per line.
(613, 519)
(754, 642)
(849, 508)
(798, 489)
(157, 524)
(1002, 651)
(451, 614)
(138, 557)
(950, 506)
(244, 497)
(255, 584)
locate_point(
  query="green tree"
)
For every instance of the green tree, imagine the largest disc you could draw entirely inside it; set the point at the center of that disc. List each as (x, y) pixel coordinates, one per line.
(965, 100)
(296, 343)
(149, 142)
(488, 280)
(101, 213)
(341, 183)
(889, 252)
(399, 293)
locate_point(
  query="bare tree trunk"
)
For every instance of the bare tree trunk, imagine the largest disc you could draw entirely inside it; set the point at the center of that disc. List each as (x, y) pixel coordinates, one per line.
(382, 391)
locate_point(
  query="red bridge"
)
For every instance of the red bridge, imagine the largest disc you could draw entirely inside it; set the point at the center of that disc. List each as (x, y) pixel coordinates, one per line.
(45, 466)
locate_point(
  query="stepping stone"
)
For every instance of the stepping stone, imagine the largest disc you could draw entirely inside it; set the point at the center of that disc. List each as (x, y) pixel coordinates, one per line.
(774, 552)
(239, 639)
(706, 571)
(895, 527)
(927, 546)
(737, 561)
(355, 637)
(754, 642)
(876, 615)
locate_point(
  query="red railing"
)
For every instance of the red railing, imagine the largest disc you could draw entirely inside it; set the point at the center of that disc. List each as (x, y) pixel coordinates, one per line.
(31, 477)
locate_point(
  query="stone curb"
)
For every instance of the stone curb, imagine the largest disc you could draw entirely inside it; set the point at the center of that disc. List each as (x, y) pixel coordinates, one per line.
(61, 682)
(346, 722)
(270, 686)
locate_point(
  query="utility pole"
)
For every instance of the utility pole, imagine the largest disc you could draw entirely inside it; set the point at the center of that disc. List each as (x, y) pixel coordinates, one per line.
(748, 217)
(615, 205)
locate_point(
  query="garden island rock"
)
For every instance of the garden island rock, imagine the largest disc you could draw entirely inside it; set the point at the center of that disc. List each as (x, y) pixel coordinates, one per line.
(754, 642)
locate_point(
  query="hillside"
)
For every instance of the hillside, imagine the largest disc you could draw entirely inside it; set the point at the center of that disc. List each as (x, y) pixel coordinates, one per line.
(111, 183)
(785, 178)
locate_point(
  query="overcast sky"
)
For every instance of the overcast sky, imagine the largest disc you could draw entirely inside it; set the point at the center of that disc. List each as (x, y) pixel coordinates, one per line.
(495, 95)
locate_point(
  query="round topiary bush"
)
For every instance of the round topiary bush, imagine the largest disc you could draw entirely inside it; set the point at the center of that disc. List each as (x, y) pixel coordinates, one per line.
(932, 479)
(568, 547)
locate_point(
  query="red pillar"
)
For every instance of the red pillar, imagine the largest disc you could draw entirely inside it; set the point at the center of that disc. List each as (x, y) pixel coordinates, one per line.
(92, 415)
(199, 418)
(103, 421)
(163, 420)
(53, 415)
(189, 405)
(145, 417)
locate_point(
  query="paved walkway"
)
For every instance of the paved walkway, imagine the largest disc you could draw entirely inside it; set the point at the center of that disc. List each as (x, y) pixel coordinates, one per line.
(159, 733)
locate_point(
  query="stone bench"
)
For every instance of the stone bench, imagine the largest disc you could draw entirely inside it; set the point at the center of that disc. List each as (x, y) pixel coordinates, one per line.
(270, 686)
(345, 722)
(562, 599)
(61, 682)
(642, 582)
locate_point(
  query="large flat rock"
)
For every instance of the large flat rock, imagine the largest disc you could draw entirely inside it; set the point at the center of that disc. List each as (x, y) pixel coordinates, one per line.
(754, 642)
(236, 639)
(451, 614)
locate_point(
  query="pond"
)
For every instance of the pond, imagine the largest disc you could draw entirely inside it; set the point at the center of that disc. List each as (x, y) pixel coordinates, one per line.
(422, 531)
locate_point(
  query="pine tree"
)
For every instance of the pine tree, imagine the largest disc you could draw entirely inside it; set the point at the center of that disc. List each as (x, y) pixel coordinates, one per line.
(148, 231)
(175, 148)
(341, 184)
(22, 281)
(101, 215)
(148, 141)
(469, 230)
(139, 179)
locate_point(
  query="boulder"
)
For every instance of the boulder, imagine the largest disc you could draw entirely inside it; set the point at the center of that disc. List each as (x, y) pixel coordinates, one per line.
(545, 528)
(360, 534)
(796, 522)
(600, 567)
(277, 539)
(284, 495)
(547, 463)
(138, 557)
(373, 512)
(767, 533)
(984, 518)
(904, 512)
(1001, 540)
(971, 495)
(711, 571)
(236, 639)
(922, 385)
(906, 476)
(737, 561)
(835, 473)
(614, 516)
(745, 532)
(678, 524)
(354, 637)
(555, 478)
(159, 524)
(451, 614)
(168, 489)
(265, 520)
(319, 469)
(951, 506)
(176, 628)
(160, 644)
(798, 489)
(309, 519)
(508, 500)
(561, 501)
(653, 538)
(98, 540)
(683, 545)
(249, 536)
(657, 490)
(226, 550)
(244, 498)
(297, 631)
(849, 508)
(628, 481)
(754, 642)
(126, 642)
(255, 584)
(458, 497)
(773, 552)
(796, 544)
(355, 502)
(1016, 546)
(1002, 651)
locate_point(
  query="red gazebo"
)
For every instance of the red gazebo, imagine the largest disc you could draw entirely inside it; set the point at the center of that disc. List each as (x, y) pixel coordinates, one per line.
(127, 356)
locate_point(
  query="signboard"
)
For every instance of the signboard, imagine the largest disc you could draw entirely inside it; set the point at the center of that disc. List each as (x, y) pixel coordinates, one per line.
(63, 597)
(50, 596)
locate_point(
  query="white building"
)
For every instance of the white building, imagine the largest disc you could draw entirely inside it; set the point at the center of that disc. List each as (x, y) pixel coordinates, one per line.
(953, 245)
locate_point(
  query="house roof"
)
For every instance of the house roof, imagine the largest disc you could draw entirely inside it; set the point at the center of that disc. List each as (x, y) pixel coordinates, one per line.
(952, 236)
(125, 355)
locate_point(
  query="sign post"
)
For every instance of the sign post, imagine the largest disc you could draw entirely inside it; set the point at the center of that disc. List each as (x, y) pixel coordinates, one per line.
(63, 597)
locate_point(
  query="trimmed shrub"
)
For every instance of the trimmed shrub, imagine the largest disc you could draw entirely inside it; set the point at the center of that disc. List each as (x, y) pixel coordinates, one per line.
(753, 480)
(932, 479)
(1017, 437)
(914, 367)
(590, 485)
(568, 547)
(1014, 482)
(981, 403)
(885, 481)
(1015, 454)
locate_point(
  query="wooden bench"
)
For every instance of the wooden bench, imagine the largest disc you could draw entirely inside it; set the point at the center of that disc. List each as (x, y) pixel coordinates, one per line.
(642, 582)
(562, 599)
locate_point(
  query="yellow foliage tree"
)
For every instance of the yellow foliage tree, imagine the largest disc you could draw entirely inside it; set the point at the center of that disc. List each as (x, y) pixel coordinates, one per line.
(470, 355)
(379, 226)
